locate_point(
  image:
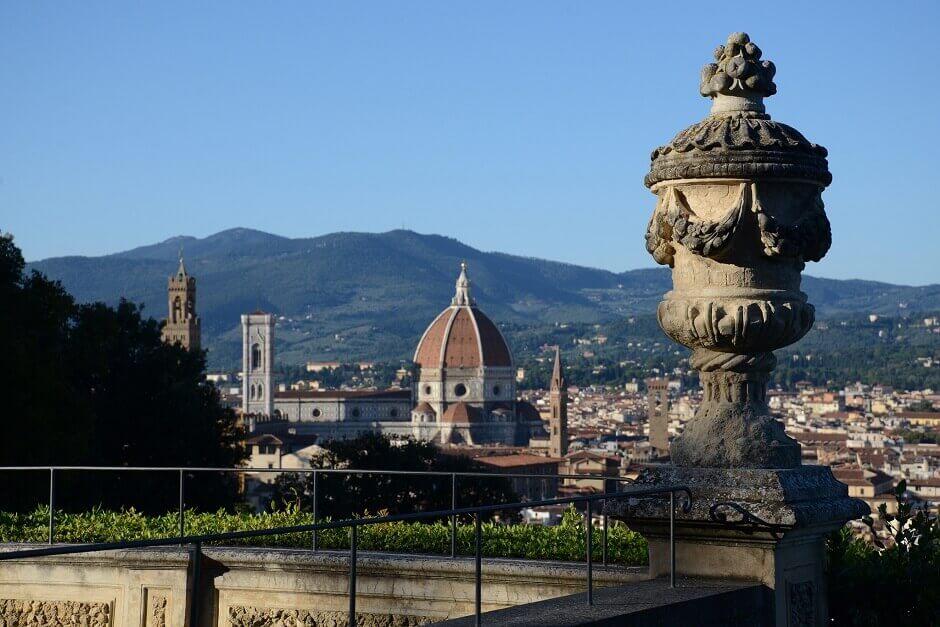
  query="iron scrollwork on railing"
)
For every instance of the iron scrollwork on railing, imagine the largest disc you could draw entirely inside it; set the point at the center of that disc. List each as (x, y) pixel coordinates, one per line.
(683, 499)
(718, 513)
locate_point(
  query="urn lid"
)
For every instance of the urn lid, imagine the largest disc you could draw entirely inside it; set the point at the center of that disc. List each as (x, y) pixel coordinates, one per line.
(738, 139)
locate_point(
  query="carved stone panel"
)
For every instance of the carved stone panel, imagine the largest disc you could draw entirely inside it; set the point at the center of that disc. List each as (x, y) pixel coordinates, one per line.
(801, 604)
(248, 616)
(20, 613)
(156, 610)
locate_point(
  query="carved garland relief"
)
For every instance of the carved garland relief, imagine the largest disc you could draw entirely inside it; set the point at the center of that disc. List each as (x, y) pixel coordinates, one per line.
(248, 616)
(20, 613)
(674, 222)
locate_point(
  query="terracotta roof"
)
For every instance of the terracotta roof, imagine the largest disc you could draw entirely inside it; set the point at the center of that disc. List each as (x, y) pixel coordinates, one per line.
(264, 438)
(462, 336)
(924, 483)
(860, 477)
(920, 415)
(814, 436)
(425, 408)
(592, 455)
(522, 459)
(461, 413)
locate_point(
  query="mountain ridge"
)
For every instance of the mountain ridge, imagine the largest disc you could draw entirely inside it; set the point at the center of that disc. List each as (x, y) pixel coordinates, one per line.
(377, 291)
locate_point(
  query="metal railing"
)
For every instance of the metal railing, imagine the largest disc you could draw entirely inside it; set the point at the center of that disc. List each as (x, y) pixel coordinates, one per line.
(316, 472)
(197, 541)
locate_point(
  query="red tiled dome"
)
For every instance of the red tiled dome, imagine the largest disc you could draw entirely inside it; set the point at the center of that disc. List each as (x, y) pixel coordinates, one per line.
(462, 336)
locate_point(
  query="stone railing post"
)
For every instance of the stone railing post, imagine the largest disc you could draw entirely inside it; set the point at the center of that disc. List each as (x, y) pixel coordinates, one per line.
(739, 211)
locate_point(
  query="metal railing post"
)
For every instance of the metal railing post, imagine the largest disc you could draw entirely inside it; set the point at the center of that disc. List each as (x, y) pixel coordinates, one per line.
(51, 504)
(672, 539)
(479, 571)
(197, 567)
(453, 519)
(182, 505)
(353, 545)
(590, 557)
(604, 553)
(315, 532)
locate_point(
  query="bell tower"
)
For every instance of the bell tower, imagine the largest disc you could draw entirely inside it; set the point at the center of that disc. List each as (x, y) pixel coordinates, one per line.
(182, 325)
(558, 436)
(258, 364)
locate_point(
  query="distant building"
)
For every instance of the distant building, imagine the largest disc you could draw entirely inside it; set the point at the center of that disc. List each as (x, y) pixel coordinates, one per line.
(258, 364)
(182, 325)
(530, 487)
(558, 422)
(317, 366)
(657, 413)
(465, 386)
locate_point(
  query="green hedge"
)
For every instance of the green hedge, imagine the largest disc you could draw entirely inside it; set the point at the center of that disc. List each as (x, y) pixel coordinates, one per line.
(565, 541)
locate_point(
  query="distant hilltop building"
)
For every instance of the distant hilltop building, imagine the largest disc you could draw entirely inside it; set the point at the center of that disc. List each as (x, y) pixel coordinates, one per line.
(464, 387)
(182, 324)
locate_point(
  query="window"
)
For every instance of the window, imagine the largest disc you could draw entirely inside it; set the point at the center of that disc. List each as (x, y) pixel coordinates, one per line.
(316, 412)
(393, 413)
(460, 389)
(355, 412)
(496, 390)
(251, 394)
(260, 392)
(255, 357)
(427, 389)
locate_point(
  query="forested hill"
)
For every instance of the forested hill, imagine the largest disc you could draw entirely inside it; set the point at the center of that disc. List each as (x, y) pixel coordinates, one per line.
(364, 295)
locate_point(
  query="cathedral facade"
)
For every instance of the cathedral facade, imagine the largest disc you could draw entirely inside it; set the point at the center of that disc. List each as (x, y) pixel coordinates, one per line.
(464, 389)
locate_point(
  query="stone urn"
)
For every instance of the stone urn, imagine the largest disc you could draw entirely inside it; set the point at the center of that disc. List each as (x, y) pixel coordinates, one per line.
(739, 211)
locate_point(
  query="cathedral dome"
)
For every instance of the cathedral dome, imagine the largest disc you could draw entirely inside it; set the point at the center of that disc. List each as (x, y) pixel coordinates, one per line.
(462, 336)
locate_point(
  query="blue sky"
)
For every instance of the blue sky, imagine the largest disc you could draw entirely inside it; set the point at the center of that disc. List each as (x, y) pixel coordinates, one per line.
(523, 127)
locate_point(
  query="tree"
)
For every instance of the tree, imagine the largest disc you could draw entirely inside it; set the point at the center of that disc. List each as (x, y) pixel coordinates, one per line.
(895, 582)
(95, 385)
(344, 495)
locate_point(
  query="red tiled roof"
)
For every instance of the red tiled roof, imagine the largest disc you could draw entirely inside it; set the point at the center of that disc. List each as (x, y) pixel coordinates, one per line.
(522, 459)
(462, 337)
(461, 413)
(813, 436)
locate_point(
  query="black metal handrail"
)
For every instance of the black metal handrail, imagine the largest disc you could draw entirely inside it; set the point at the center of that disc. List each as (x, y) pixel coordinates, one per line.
(316, 472)
(198, 540)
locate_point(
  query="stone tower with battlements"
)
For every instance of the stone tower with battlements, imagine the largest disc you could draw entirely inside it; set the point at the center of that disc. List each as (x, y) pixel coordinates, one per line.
(657, 413)
(558, 397)
(258, 364)
(182, 324)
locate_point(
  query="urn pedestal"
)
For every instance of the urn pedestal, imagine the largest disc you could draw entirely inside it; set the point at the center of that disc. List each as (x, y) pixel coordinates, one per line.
(758, 525)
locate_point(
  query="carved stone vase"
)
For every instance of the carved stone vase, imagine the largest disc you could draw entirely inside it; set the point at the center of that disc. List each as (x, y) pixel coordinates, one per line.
(739, 211)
